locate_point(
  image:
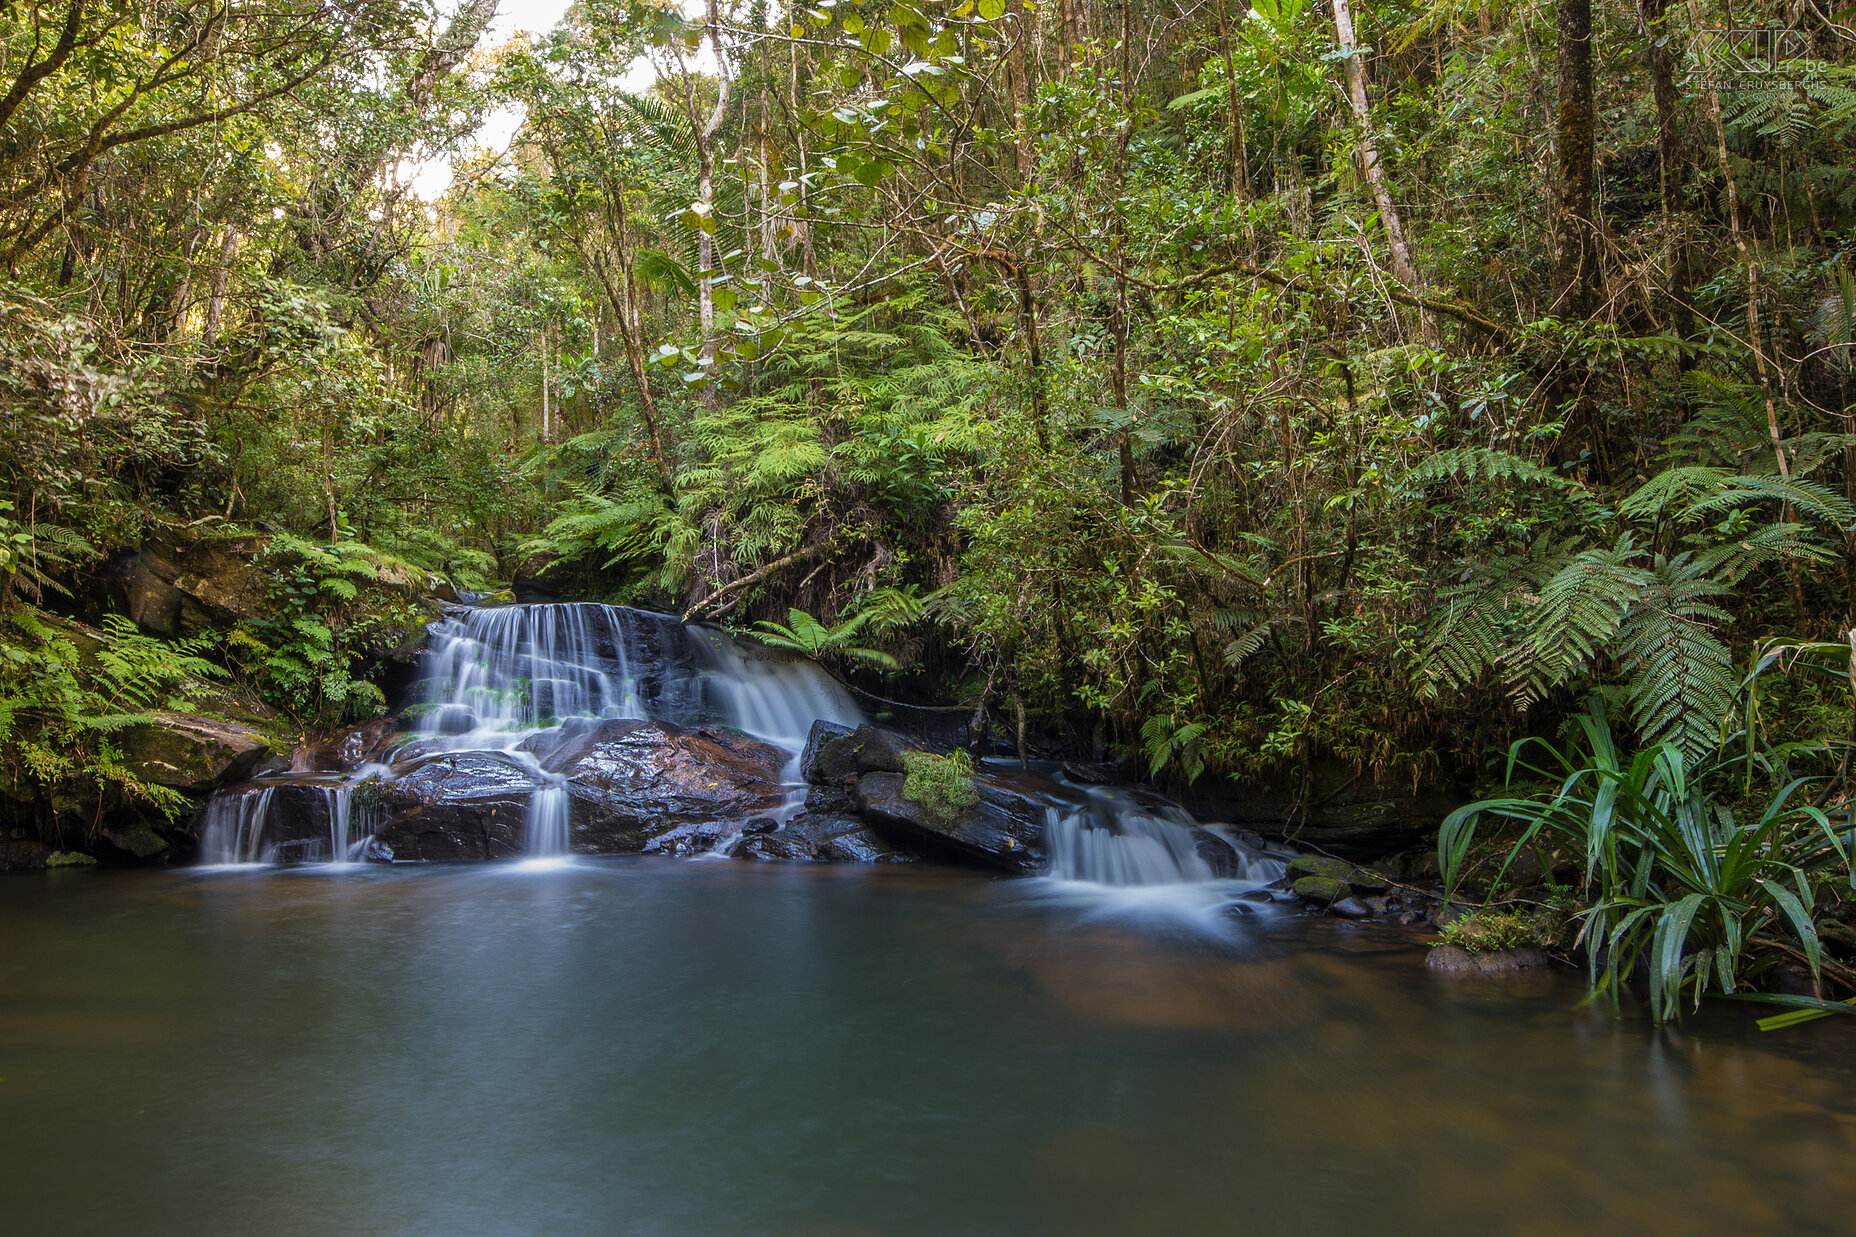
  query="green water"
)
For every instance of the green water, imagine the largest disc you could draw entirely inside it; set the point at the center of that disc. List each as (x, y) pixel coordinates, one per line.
(642, 1046)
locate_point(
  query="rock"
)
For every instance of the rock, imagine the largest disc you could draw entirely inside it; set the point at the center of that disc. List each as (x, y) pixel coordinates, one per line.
(1323, 889)
(1319, 865)
(1350, 908)
(837, 758)
(1005, 829)
(821, 734)
(760, 824)
(1090, 773)
(1332, 808)
(777, 847)
(464, 805)
(633, 784)
(1218, 854)
(189, 752)
(1461, 964)
(151, 602)
(1339, 869)
(21, 854)
(346, 749)
(842, 838)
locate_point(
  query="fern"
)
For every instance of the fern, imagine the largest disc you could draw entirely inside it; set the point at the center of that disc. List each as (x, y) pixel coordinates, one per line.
(1484, 464)
(1680, 678)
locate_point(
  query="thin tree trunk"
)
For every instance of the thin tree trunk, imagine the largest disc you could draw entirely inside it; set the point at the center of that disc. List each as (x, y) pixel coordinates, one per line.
(1402, 266)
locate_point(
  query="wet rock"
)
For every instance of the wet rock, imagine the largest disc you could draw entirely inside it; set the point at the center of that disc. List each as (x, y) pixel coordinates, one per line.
(1218, 854)
(760, 824)
(346, 749)
(1090, 773)
(633, 783)
(464, 805)
(822, 734)
(1461, 964)
(841, 838)
(1336, 810)
(1350, 908)
(1323, 889)
(1005, 829)
(189, 752)
(839, 757)
(1319, 865)
(777, 847)
(20, 854)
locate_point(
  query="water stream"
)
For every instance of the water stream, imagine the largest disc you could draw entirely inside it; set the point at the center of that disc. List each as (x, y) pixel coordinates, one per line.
(636, 1047)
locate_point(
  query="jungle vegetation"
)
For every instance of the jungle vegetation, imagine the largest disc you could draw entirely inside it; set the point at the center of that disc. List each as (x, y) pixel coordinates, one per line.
(1259, 392)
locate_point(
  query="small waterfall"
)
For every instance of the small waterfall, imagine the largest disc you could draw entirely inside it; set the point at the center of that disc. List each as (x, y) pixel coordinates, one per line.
(547, 822)
(233, 831)
(1117, 843)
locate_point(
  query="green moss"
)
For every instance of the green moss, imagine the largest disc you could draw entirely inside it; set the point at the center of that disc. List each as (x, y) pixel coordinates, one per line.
(69, 859)
(1491, 932)
(942, 785)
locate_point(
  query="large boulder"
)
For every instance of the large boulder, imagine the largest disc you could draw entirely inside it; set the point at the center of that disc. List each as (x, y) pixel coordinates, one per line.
(1004, 829)
(1338, 811)
(463, 805)
(191, 753)
(835, 754)
(649, 785)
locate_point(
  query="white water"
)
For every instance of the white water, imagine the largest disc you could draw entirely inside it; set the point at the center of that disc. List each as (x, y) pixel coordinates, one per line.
(234, 827)
(1125, 856)
(494, 677)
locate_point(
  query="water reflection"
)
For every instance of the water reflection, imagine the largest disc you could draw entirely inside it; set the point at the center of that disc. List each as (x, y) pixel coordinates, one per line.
(643, 1047)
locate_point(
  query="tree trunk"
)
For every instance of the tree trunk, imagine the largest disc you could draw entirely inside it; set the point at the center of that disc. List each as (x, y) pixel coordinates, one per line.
(1575, 275)
(1673, 160)
(1402, 266)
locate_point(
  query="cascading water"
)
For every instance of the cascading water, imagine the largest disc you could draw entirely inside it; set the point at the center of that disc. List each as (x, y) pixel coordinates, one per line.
(494, 677)
(1119, 852)
(234, 828)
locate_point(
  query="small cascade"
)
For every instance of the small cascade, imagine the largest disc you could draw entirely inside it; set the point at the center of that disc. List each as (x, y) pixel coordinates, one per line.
(1120, 852)
(1118, 842)
(233, 831)
(495, 676)
(547, 822)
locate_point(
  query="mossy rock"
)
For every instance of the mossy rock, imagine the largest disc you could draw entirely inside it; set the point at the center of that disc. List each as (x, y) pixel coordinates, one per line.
(1326, 890)
(69, 859)
(189, 752)
(1319, 865)
(1336, 869)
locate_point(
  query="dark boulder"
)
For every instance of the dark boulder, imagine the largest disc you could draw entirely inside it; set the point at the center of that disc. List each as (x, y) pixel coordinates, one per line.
(1005, 829)
(831, 758)
(463, 805)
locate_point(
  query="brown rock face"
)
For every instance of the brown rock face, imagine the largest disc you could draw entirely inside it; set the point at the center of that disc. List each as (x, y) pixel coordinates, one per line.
(633, 784)
(463, 805)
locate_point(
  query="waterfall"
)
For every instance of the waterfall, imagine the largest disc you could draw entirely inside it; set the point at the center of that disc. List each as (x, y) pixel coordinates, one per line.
(494, 676)
(1125, 853)
(1119, 842)
(547, 822)
(233, 831)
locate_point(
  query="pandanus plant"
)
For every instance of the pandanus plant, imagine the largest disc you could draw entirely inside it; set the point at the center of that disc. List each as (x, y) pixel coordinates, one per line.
(1703, 901)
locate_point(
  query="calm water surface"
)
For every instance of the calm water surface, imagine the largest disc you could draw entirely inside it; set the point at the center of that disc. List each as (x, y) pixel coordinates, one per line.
(639, 1046)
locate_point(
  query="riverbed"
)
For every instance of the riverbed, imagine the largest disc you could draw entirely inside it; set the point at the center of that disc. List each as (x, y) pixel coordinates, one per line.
(643, 1046)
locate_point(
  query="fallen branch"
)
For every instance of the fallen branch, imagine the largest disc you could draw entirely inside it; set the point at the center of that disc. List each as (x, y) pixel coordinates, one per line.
(754, 577)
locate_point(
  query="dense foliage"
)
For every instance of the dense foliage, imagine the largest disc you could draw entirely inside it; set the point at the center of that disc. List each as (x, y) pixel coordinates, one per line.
(1275, 393)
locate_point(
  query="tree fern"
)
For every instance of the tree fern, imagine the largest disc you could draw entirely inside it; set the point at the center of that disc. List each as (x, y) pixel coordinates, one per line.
(1679, 677)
